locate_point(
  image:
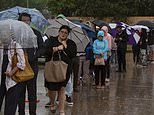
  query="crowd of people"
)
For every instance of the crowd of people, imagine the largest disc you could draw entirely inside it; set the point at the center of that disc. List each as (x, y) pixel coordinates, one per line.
(81, 66)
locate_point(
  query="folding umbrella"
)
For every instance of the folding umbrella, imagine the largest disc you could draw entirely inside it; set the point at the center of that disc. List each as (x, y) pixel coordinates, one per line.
(76, 34)
(38, 20)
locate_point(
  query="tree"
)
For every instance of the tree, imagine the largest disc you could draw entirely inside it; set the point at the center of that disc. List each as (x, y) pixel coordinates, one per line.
(92, 8)
(61, 7)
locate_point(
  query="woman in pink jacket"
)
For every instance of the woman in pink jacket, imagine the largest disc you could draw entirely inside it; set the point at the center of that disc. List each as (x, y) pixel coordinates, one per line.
(107, 37)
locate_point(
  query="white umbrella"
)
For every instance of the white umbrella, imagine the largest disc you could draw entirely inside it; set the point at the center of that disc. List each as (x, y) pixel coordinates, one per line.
(76, 33)
(17, 31)
(139, 27)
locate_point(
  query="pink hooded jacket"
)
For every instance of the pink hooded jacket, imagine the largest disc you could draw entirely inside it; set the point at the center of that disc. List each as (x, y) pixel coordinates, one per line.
(107, 36)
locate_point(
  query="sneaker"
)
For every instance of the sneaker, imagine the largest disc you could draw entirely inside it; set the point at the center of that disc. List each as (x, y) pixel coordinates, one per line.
(69, 100)
(48, 105)
(107, 79)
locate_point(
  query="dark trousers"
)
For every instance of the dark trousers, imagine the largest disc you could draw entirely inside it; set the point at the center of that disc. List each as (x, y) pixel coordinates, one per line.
(136, 52)
(100, 74)
(75, 70)
(121, 59)
(3, 76)
(31, 87)
(107, 67)
(12, 98)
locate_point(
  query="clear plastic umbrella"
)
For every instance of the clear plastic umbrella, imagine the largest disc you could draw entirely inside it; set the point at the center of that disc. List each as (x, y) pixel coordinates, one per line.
(38, 20)
(76, 34)
(17, 31)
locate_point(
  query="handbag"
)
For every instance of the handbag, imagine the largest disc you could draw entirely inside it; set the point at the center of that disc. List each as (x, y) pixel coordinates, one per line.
(22, 75)
(55, 71)
(99, 61)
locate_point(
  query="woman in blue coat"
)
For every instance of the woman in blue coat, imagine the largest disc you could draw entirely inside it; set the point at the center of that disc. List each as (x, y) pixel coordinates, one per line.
(100, 48)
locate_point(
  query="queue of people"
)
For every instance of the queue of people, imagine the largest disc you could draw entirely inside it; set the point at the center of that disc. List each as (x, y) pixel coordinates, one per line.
(78, 65)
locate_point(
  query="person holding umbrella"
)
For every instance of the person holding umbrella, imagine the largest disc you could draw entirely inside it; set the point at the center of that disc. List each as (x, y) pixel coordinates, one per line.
(17, 36)
(31, 85)
(67, 50)
(121, 41)
(14, 89)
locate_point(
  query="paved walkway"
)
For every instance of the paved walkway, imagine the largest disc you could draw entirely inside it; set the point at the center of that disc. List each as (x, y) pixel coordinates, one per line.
(130, 93)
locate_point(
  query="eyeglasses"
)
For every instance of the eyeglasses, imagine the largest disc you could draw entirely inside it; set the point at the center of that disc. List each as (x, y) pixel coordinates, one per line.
(64, 32)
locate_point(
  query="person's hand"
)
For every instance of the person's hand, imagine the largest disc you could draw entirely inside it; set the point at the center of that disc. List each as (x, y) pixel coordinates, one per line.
(60, 47)
(97, 56)
(9, 74)
(120, 38)
(55, 49)
(102, 54)
(12, 72)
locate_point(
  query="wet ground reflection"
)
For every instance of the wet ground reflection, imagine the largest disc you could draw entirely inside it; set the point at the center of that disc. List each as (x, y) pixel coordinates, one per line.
(129, 93)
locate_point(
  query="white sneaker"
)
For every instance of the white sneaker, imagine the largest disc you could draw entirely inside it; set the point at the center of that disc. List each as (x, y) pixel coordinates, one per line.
(107, 79)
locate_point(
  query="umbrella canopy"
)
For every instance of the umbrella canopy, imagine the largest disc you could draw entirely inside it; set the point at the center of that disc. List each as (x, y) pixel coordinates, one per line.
(100, 23)
(17, 31)
(76, 34)
(139, 27)
(90, 32)
(133, 37)
(38, 20)
(147, 23)
(112, 25)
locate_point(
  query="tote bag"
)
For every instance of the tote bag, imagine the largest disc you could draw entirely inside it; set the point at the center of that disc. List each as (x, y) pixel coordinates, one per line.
(55, 71)
(99, 61)
(22, 75)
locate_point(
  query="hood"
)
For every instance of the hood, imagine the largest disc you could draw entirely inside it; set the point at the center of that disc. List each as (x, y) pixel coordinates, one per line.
(105, 29)
(100, 33)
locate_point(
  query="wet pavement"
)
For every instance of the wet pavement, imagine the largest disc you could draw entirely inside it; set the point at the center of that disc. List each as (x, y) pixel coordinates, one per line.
(130, 93)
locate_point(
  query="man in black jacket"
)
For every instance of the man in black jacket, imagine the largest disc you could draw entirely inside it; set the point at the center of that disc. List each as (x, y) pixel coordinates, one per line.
(121, 40)
(31, 85)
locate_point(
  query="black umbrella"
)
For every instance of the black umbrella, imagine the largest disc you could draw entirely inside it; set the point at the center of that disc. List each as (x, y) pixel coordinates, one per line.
(146, 23)
(101, 23)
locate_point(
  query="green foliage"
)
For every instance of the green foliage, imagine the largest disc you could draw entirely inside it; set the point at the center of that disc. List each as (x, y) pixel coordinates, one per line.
(92, 8)
(61, 7)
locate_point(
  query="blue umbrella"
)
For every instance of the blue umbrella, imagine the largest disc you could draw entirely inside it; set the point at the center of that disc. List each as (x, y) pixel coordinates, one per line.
(38, 20)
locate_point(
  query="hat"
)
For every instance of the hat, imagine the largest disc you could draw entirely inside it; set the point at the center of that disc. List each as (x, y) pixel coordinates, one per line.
(100, 33)
(105, 29)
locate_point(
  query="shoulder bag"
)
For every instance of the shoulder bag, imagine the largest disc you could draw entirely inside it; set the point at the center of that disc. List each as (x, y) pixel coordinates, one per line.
(99, 60)
(22, 75)
(55, 71)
